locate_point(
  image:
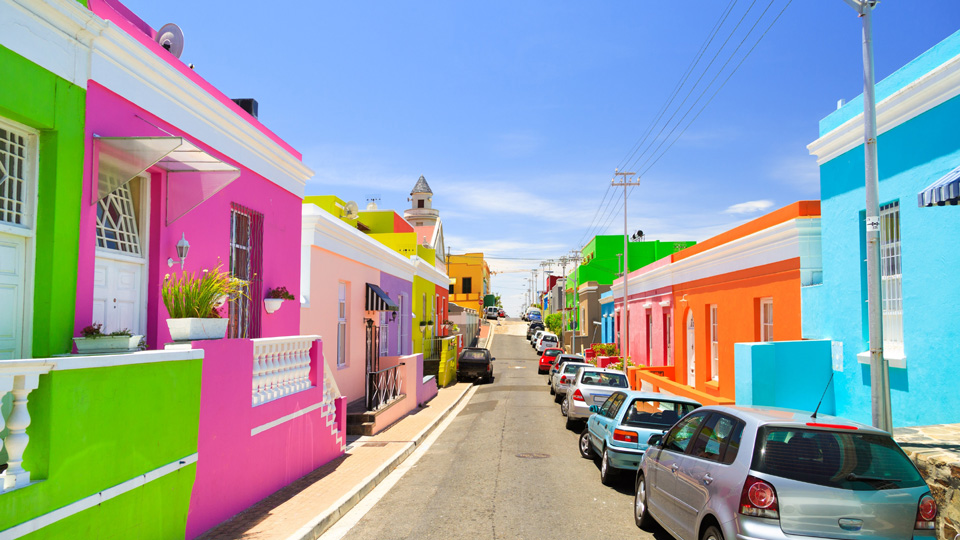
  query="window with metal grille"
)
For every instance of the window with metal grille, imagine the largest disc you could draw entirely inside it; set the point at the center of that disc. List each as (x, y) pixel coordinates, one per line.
(890, 277)
(467, 285)
(341, 324)
(649, 338)
(384, 333)
(117, 219)
(246, 263)
(400, 319)
(766, 319)
(714, 345)
(16, 189)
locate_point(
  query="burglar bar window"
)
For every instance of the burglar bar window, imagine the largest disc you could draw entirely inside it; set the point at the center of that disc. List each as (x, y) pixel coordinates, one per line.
(890, 278)
(341, 324)
(246, 263)
(714, 345)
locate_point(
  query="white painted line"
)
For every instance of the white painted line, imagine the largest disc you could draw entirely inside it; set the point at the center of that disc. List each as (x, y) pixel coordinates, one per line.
(351, 518)
(49, 518)
(287, 418)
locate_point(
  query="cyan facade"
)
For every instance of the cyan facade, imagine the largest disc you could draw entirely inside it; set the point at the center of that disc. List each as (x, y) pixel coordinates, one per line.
(918, 144)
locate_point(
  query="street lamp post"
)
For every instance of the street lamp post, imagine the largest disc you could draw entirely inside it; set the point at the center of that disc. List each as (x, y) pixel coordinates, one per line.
(879, 368)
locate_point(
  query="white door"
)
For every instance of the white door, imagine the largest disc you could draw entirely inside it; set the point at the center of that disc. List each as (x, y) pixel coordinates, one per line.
(691, 352)
(117, 295)
(119, 273)
(12, 270)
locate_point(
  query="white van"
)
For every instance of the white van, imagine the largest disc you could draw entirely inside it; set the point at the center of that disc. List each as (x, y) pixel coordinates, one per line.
(493, 312)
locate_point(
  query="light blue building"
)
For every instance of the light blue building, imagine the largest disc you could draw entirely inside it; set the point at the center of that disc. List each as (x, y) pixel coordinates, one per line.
(607, 319)
(918, 119)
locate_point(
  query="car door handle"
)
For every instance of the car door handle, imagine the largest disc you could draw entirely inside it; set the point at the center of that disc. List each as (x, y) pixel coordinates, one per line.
(707, 479)
(674, 467)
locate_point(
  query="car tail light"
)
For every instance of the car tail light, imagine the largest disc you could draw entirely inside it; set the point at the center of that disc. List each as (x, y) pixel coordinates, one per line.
(488, 367)
(623, 435)
(759, 499)
(577, 396)
(926, 513)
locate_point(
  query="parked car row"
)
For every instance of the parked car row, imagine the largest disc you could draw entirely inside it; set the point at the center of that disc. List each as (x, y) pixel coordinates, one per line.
(716, 472)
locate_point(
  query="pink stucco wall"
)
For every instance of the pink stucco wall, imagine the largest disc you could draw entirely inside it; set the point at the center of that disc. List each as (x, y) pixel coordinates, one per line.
(236, 469)
(207, 227)
(639, 350)
(327, 270)
(410, 385)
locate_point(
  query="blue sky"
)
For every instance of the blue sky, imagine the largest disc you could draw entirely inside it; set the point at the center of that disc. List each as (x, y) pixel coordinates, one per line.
(517, 113)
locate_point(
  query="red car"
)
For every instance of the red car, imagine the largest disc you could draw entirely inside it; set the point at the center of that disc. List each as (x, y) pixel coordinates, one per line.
(548, 358)
(503, 314)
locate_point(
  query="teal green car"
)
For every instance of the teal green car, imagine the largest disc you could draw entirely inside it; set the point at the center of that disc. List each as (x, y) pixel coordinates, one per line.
(618, 430)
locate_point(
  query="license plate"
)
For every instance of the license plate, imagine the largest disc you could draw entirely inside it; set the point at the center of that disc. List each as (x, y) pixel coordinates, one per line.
(600, 398)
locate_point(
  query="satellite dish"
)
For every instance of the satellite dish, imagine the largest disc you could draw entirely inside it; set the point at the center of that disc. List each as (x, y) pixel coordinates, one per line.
(350, 210)
(170, 37)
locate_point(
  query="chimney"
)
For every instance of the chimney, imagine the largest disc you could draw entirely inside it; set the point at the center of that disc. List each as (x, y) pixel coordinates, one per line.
(247, 104)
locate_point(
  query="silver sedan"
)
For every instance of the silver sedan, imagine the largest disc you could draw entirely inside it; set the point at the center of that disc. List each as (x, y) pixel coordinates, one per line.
(592, 386)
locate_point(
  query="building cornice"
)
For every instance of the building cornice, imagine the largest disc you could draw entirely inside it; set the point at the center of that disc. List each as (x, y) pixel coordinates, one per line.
(932, 89)
(69, 40)
(773, 244)
(427, 271)
(323, 230)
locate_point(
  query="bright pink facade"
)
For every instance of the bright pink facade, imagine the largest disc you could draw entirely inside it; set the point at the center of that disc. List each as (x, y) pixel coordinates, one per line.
(245, 453)
(651, 321)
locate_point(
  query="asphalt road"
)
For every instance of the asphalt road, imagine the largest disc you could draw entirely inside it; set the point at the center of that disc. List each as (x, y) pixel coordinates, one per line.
(505, 468)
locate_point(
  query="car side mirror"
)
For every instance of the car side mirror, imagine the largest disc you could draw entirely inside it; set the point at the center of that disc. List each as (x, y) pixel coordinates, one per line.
(655, 440)
(492, 358)
(594, 408)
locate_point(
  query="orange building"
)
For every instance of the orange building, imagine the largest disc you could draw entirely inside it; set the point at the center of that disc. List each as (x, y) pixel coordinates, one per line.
(740, 286)
(469, 280)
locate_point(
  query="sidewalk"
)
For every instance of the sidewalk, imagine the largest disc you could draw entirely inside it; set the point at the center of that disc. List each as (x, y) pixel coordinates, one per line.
(306, 508)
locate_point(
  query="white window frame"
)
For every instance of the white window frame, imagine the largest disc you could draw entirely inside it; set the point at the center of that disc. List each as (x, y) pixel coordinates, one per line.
(649, 337)
(714, 345)
(384, 334)
(766, 320)
(891, 280)
(341, 324)
(400, 325)
(669, 331)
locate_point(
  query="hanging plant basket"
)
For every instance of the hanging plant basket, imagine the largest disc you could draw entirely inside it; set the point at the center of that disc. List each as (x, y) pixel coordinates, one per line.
(272, 304)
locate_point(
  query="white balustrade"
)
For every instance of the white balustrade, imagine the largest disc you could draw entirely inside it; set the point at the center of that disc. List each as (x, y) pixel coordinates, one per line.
(18, 377)
(281, 366)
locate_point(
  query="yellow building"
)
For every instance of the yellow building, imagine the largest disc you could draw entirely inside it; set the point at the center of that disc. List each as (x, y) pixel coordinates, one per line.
(469, 280)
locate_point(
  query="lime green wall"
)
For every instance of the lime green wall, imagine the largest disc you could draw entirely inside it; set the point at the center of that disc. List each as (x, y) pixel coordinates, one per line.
(379, 221)
(403, 243)
(422, 287)
(95, 428)
(326, 202)
(37, 98)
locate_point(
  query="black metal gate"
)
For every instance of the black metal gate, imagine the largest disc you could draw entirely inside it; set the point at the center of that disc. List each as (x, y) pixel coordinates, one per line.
(373, 359)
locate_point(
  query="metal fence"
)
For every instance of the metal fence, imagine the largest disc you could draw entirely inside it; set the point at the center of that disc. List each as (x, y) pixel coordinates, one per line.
(384, 386)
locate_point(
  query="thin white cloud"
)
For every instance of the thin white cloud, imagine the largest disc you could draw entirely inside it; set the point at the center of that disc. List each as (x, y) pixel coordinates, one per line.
(749, 207)
(799, 172)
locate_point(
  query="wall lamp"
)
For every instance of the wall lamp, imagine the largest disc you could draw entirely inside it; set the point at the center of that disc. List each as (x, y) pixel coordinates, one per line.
(393, 316)
(183, 247)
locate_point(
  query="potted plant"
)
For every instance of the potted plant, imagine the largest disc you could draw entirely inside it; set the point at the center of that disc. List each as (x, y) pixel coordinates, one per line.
(192, 303)
(93, 340)
(275, 298)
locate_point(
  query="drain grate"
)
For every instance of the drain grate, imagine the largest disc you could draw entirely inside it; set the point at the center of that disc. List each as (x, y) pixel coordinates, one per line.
(532, 455)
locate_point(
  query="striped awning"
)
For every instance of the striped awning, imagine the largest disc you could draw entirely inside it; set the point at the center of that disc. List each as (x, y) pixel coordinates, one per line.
(377, 300)
(944, 191)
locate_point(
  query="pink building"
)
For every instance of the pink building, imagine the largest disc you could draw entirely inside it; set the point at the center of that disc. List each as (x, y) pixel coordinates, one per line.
(169, 158)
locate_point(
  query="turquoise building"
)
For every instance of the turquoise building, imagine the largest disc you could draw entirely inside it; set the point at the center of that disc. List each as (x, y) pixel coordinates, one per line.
(918, 109)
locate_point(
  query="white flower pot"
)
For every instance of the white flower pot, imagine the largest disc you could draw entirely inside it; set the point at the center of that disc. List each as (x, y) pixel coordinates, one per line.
(193, 329)
(107, 344)
(272, 304)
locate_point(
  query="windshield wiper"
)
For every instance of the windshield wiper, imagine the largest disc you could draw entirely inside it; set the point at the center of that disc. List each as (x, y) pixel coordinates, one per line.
(853, 477)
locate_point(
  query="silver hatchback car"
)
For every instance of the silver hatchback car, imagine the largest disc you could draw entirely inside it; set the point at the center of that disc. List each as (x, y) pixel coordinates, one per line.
(744, 473)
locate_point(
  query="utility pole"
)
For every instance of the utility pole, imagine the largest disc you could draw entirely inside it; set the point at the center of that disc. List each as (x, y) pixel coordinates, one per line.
(625, 348)
(620, 273)
(879, 367)
(562, 300)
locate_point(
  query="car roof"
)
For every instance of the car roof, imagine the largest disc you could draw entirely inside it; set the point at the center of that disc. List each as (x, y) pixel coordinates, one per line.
(791, 417)
(605, 370)
(573, 357)
(658, 396)
(575, 363)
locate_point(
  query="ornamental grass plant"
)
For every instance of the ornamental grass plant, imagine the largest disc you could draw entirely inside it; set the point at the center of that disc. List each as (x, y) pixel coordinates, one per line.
(187, 295)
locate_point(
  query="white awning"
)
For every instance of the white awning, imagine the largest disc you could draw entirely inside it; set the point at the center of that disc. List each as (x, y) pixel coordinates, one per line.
(193, 175)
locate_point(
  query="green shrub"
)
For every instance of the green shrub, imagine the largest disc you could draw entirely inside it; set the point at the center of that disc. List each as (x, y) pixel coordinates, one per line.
(553, 323)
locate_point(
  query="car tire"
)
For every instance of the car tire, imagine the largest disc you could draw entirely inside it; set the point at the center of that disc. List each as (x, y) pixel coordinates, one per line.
(712, 533)
(586, 449)
(607, 472)
(641, 515)
(564, 406)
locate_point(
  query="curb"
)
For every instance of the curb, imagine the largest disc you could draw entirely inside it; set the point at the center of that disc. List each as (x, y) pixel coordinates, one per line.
(319, 524)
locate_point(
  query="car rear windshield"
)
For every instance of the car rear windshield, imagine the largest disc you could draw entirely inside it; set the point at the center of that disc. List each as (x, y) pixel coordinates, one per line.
(474, 355)
(845, 460)
(571, 368)
(552, 352)
(600, 378)
(658, 414)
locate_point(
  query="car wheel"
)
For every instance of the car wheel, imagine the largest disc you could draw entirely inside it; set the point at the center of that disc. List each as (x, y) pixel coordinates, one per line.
(564, 406)
(640, 514)
(586, 450)
(607, 472)
(712, 533)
